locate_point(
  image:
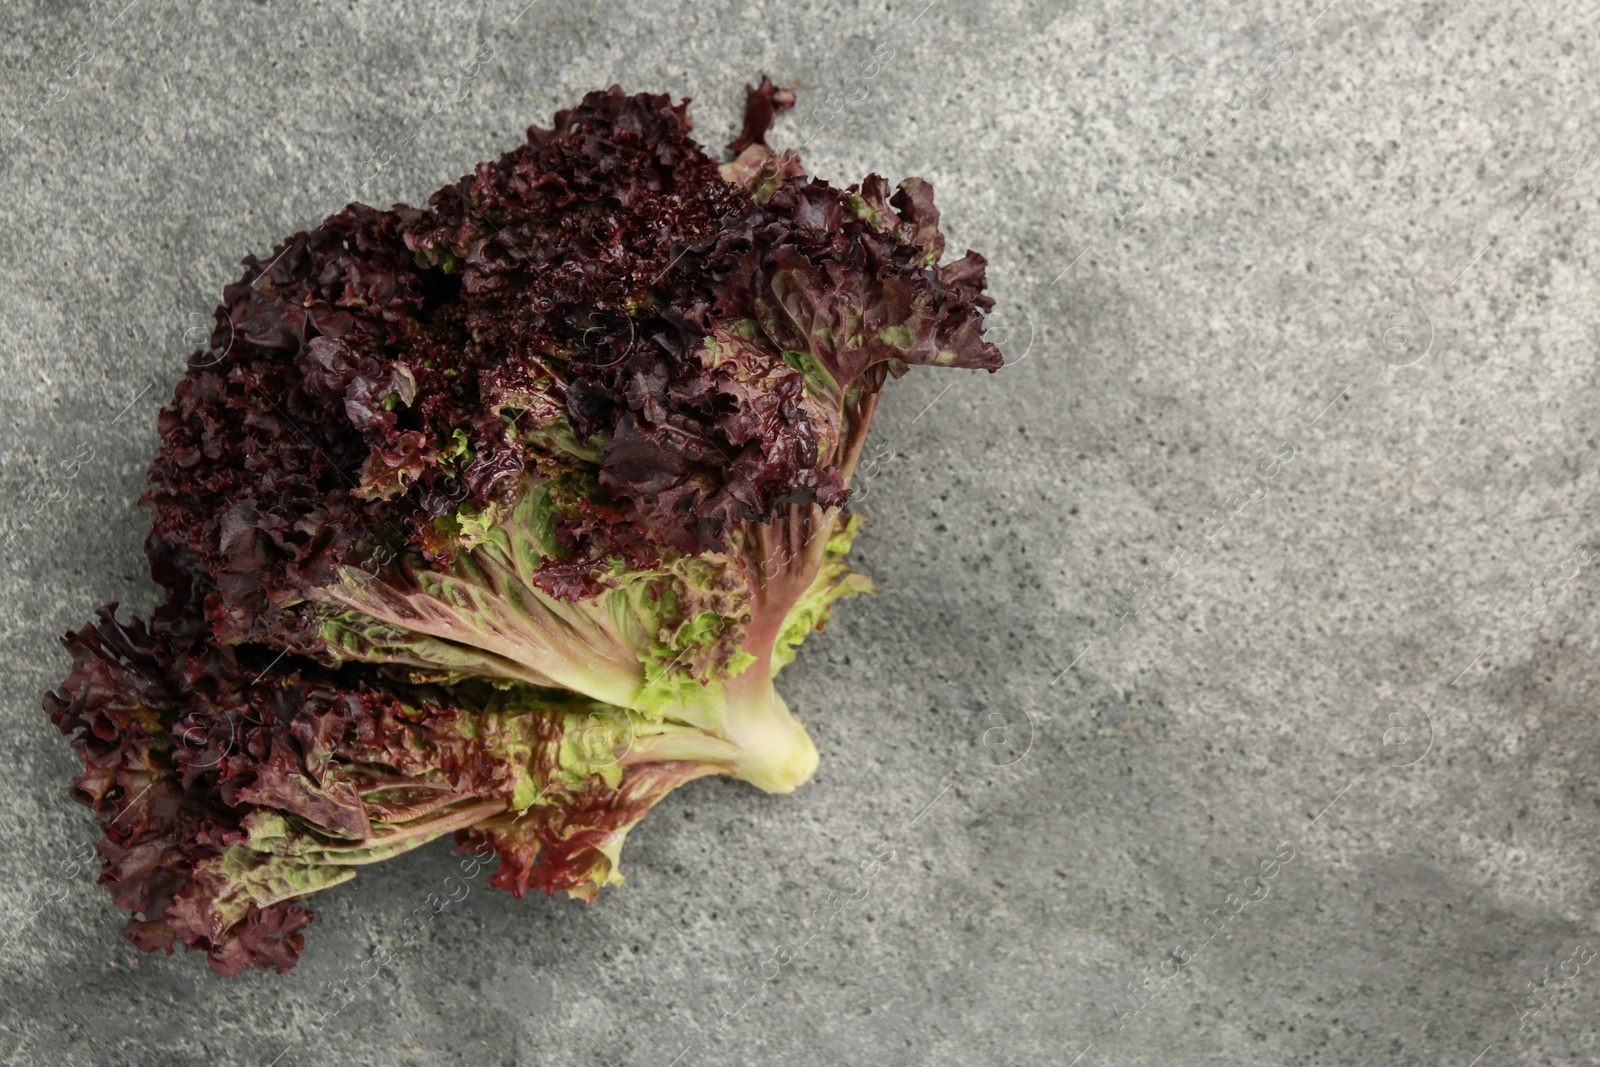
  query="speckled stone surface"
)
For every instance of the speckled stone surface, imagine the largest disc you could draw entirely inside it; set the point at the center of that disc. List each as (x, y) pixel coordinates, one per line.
(1230, 694)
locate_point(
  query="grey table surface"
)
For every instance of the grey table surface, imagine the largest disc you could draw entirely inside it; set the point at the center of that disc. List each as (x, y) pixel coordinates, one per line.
(1273, 549)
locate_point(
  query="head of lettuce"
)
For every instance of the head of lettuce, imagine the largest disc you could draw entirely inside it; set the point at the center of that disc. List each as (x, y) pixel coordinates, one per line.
(498, 517)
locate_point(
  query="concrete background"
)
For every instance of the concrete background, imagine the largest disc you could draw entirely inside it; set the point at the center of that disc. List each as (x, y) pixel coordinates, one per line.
(1107, 677)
